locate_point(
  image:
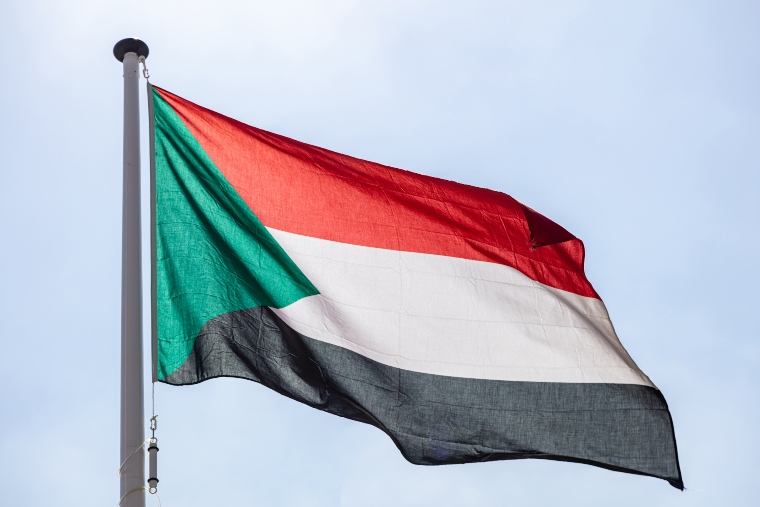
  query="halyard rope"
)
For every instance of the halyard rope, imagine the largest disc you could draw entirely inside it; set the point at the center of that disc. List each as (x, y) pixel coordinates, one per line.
(139, 489)
(132, 454)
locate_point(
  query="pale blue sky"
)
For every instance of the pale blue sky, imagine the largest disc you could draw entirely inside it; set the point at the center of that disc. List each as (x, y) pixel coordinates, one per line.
(636, 125)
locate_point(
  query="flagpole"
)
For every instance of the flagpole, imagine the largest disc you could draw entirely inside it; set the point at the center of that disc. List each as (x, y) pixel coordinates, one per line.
(132, 477)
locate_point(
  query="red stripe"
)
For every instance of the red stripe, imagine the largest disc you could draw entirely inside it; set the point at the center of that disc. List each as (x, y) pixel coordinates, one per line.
(303, 189)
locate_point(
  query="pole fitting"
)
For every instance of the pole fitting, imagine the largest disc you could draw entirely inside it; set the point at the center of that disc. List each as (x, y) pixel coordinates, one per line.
(130, 45)
(153, 467)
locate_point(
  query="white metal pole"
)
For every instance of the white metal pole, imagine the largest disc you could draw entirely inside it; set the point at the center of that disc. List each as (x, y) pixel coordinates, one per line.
(132, 417)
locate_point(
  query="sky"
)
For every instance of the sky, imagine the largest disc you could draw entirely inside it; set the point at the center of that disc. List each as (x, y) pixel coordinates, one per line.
(634, 124)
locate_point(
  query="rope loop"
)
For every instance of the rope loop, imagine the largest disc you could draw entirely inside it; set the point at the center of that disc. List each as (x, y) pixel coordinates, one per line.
(118, 473)
(158, 500)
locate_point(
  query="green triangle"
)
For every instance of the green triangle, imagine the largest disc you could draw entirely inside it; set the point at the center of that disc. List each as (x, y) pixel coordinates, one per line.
(213, 255)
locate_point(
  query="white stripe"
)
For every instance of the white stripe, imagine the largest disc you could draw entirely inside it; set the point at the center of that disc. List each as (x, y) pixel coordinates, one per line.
(451, 316)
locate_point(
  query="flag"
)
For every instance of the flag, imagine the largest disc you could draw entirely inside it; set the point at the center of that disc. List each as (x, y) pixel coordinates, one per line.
(456, 319)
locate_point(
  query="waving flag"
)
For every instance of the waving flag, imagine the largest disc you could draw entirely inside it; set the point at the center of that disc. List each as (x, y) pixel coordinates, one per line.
(456, 319)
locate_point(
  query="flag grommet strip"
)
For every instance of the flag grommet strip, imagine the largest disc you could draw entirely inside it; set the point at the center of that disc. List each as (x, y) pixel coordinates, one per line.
(153, 316)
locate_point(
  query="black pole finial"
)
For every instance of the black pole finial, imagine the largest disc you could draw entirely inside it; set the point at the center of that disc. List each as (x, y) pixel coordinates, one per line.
(130, 45)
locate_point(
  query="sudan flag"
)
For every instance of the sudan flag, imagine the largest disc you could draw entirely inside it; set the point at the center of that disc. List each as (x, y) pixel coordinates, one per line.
(456, 319)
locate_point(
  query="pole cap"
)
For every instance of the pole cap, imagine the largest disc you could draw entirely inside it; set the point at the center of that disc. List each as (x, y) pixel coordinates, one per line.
(130, 45)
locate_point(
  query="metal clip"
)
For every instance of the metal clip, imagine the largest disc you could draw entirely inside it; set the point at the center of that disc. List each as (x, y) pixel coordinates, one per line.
(154, 424)
(145, 69)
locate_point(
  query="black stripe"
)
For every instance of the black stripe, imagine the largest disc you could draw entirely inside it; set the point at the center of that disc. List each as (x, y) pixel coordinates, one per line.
(435, 419)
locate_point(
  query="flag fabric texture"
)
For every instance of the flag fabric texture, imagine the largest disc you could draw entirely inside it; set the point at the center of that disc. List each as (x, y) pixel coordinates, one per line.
(456, 319)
